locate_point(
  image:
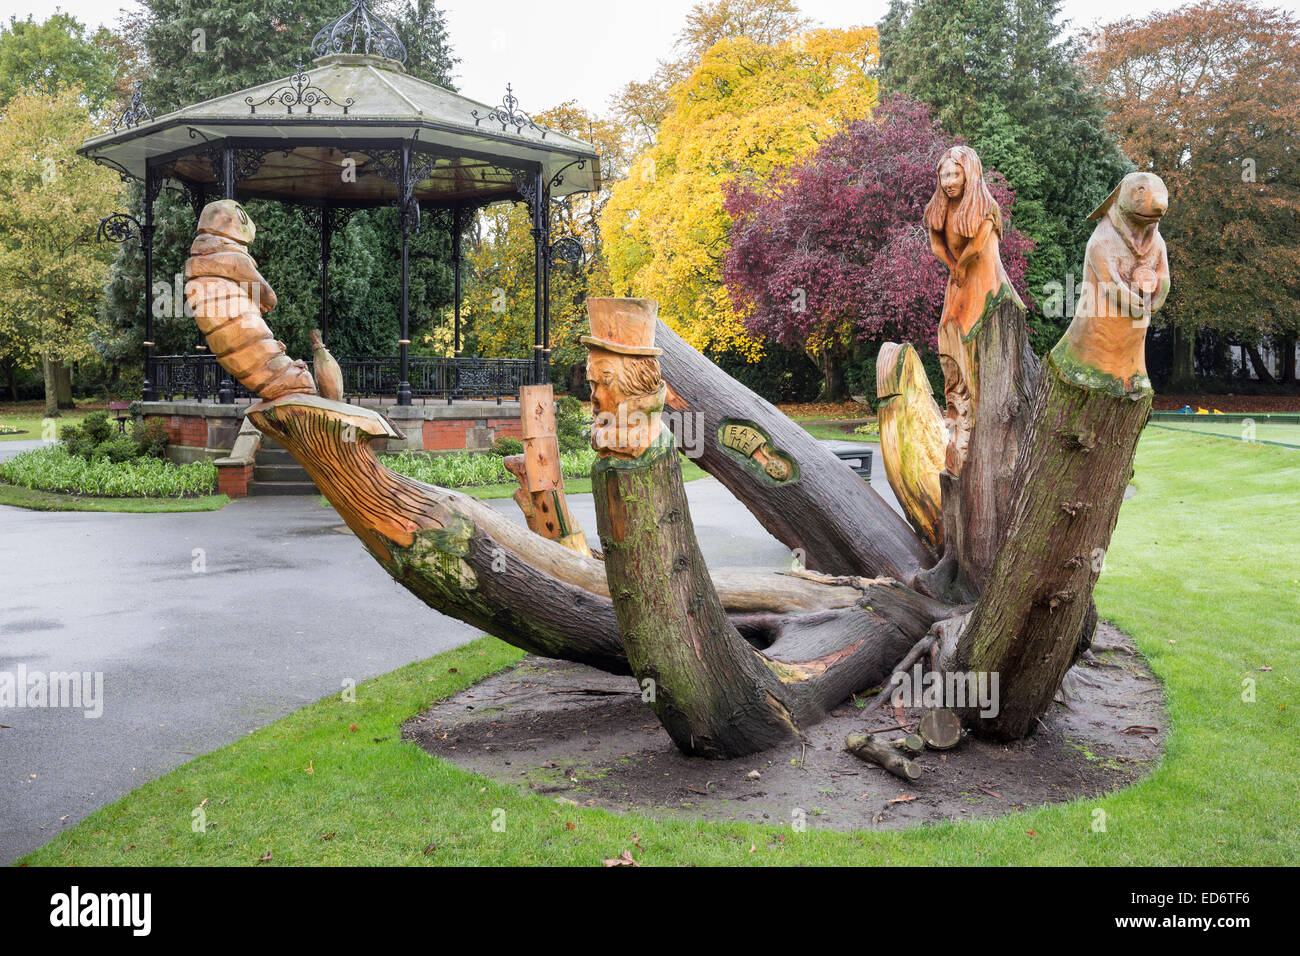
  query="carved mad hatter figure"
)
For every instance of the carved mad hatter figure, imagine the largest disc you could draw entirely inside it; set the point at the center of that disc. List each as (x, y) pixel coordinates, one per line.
(627, 391)
(965, 225)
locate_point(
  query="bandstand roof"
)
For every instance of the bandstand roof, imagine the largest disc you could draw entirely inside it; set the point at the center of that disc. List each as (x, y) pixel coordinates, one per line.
(328, 134)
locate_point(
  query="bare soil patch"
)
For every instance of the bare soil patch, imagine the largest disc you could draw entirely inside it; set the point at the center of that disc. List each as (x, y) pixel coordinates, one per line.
(575, 734)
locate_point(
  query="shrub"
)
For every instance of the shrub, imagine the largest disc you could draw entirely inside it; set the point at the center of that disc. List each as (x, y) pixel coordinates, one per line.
(150, 438)
(571, 426)
(55, 469)
(118, 449)
(506, 446)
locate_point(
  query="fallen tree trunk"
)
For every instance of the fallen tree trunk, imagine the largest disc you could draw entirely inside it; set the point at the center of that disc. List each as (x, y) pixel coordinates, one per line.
(467, 560)
(803, 495)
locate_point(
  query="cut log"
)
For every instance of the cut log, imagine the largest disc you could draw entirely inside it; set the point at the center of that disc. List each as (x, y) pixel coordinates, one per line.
(803, 495)
(882, 755)
(912, 743)
(940, 729)
(539, 472)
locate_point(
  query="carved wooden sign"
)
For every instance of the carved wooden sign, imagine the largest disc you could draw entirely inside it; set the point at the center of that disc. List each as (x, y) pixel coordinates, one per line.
(749, 442)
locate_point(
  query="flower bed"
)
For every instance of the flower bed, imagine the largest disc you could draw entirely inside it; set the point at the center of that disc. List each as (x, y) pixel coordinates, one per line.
(470, 468)
(54, 469)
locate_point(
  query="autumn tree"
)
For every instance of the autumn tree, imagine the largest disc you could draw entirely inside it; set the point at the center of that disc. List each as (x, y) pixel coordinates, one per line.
(1001, 74)
(832, 250)
(746, 109)
(642, 104)
(1205, 96)
(51, 269)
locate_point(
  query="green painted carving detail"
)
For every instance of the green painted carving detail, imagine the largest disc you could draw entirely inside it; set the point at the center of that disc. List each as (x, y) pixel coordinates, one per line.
(1076, 372)
(750, 445)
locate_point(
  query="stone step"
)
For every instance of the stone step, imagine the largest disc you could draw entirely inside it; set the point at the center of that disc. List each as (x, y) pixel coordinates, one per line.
(282, 488)
(288, 472)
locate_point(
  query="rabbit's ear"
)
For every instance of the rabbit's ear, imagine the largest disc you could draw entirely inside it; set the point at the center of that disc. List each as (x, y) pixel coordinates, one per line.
(1107, 202)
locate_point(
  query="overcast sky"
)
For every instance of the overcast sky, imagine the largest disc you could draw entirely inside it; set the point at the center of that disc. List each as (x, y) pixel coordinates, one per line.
(585, 49)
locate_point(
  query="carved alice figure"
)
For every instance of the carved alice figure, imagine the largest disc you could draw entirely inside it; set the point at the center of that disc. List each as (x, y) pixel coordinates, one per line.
(627, 391)
(965, 224)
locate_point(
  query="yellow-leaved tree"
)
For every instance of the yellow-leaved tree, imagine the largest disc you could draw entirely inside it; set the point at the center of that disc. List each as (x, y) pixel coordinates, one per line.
(52, 270)
(498, 300)
(745, 110)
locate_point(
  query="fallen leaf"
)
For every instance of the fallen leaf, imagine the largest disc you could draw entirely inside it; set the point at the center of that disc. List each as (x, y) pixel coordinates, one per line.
(1032, 833)
(901, 798)
(328, 836)
(430, 848)
(569, 826)
(265, 857)
(624, 859)
(1140, 730)
(353, 728)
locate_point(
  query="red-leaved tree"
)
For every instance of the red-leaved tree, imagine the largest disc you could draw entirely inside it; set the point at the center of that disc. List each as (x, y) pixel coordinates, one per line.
(833, 250)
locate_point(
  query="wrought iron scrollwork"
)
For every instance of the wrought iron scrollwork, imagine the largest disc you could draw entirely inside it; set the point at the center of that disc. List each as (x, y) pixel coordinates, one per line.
(123, 173)
(365, 30)
(568, 249)
(558, 179)
(525, 186)
(299, 91)
(119, 227)
(509, 114)
(136, 112)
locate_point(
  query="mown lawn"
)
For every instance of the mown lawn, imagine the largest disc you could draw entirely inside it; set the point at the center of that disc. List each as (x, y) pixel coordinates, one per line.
(35, 500)
(30, 418)
(1203, 573)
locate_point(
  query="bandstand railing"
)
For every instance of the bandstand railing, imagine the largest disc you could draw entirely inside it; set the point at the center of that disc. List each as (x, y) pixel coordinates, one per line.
(199, 377)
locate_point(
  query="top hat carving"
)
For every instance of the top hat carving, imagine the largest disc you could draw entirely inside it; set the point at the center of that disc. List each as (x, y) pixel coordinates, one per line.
(624, 326)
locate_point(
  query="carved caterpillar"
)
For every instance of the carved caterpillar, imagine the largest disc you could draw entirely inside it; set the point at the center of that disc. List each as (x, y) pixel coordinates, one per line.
(229, 296)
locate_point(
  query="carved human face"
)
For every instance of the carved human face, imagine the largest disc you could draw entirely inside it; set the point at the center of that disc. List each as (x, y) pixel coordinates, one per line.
(603, 376)
(952, 179)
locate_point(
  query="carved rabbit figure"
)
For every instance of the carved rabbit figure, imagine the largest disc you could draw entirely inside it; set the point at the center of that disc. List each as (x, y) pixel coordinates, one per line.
(1125, 281)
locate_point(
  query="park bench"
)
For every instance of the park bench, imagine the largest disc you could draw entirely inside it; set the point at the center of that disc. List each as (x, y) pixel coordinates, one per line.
(855, 454)
(121, 412)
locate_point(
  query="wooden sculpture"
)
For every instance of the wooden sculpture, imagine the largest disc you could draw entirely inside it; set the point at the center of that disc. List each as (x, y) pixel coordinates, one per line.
(541, 481)
(965, 225)
(737, 660)
(1125, 280)
(229, 298)
(627, 393)
(329, 376)
(913, 437)
(1073, 467)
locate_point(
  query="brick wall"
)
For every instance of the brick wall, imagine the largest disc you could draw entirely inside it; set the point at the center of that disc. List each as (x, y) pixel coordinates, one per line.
(190, 431)
(233, 480)
(449, 434)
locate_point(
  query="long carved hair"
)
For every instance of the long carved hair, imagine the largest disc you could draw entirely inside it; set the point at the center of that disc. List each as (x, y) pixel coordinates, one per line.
(976, 204)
